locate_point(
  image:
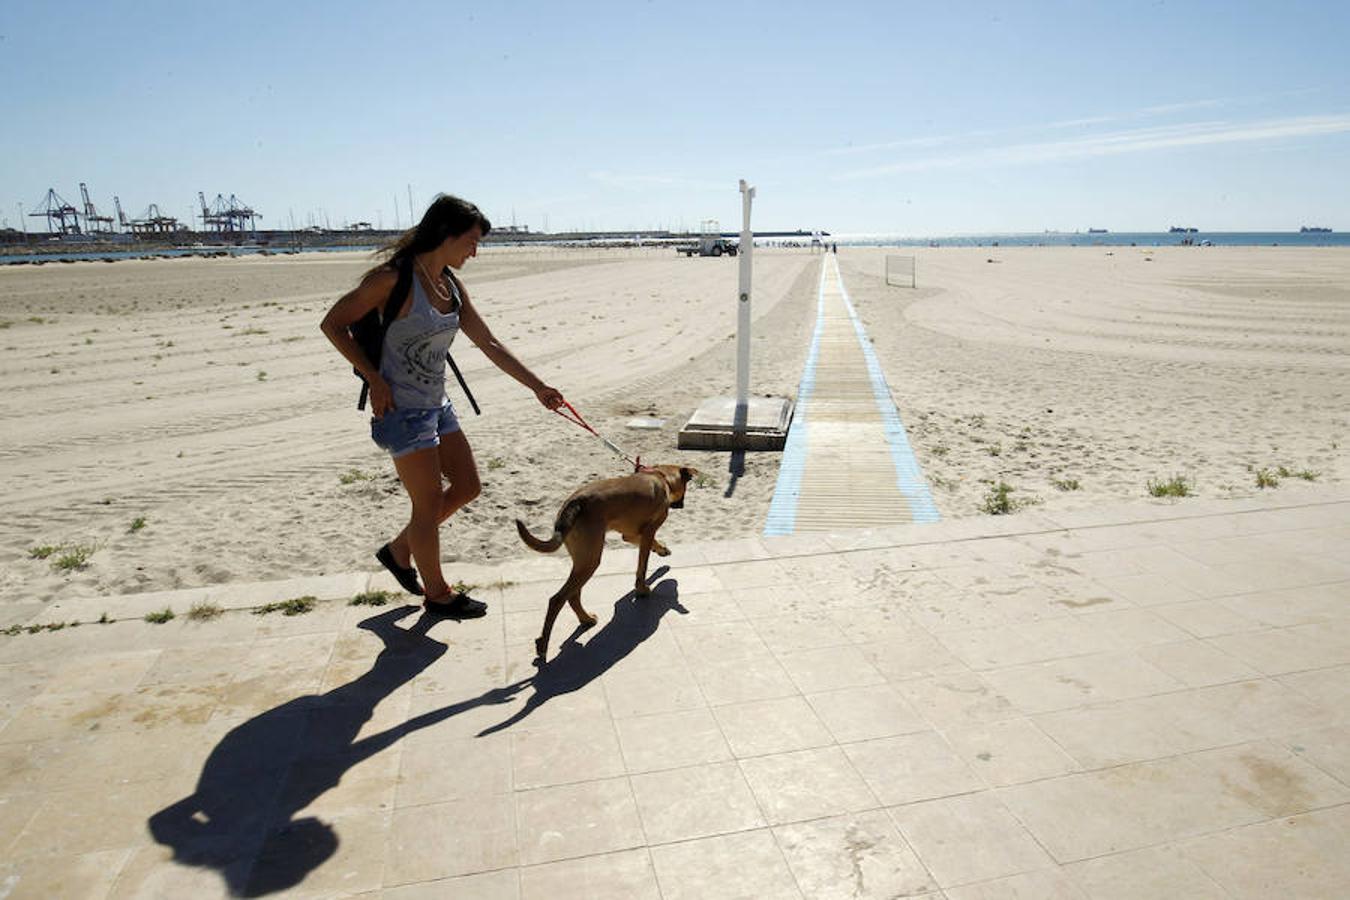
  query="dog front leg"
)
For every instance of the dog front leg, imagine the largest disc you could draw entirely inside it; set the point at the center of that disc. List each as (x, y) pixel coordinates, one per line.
(555, 604)
(583, 567)
(644, 551)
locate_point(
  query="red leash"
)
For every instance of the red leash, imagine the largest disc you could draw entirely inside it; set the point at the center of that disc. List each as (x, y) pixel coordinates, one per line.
(576, 419)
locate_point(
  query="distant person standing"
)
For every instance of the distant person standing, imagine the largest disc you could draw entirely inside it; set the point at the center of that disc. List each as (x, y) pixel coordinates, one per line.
(412, 418)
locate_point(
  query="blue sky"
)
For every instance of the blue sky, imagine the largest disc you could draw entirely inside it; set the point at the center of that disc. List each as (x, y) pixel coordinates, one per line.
(906, 118)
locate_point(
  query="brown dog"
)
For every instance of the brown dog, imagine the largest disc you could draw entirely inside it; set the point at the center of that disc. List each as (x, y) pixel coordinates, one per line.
(634, 506)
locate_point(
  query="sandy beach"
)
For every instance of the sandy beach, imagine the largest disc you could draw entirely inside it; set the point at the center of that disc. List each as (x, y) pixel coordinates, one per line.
(183, 422)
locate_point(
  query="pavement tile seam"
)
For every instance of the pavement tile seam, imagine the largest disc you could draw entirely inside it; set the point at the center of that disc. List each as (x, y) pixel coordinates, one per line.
(1001, 532)
(942, 731)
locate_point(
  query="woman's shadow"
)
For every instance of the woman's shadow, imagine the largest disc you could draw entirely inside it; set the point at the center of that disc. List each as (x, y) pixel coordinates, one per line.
(241, 821)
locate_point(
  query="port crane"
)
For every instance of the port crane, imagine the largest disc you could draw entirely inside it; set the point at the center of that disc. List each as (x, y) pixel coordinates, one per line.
(92, 220)
(62, 218)
(152, 221)
(230, 216)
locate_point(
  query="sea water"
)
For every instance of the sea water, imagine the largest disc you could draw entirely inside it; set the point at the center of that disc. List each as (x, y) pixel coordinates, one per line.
(1109, 239)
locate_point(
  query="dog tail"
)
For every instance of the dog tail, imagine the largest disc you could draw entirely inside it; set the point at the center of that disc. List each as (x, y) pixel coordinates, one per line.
(567, 517)
(548, 546)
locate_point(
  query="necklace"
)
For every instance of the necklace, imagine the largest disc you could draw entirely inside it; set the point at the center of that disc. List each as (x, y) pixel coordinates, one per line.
(437, 285)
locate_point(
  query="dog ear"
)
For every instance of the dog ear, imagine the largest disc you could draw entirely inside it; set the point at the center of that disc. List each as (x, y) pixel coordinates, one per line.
(687, 473)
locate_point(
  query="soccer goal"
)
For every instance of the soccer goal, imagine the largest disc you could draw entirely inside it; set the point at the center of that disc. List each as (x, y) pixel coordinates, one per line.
(900, 271)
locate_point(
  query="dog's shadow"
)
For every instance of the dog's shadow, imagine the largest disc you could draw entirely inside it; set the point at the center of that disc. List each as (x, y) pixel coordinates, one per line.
(576, 665)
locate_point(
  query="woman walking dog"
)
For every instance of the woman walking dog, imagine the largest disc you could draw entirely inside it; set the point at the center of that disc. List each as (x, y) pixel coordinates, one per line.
(412, 419)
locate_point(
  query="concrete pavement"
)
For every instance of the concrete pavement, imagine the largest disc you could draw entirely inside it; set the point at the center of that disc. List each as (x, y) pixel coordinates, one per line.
(1147, 700)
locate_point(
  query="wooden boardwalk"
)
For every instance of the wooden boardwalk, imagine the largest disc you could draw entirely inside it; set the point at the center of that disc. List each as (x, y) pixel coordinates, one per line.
(847, 463)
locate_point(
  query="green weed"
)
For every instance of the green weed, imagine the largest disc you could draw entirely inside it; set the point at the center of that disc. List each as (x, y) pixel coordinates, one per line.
(205, 612)
(296, 606)
(1266, 479)
(999, 502)
(159, 618)
(351, 476)
(1065, 484)
(136, 524)
(74, 558)
(42, 552)
(1176, 486)
(370, 598)
(945, 483)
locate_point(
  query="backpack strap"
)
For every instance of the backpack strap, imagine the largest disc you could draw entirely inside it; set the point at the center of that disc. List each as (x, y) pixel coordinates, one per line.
(396, 297)
(389, 312)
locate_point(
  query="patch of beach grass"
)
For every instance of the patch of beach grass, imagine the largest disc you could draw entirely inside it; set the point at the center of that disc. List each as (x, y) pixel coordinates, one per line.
(371, 598)
(352, 476)
(136, 524)
(1065, 484)
(999, 502)
(205, 612)
(74, 558)
(295, 606)
(159, 618)
(1304, 474)
(945, 483)
(43, 551)
(496, 462)
(1176, 486)
(1266, 479)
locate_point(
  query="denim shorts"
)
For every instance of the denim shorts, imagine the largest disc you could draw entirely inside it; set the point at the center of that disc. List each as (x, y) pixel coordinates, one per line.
(402, 431)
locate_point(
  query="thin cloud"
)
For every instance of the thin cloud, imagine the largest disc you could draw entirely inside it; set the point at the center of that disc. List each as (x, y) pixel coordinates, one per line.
(636, 182)
(936, 141)
(1078, 123)
(1137, 141)
(1063, 124)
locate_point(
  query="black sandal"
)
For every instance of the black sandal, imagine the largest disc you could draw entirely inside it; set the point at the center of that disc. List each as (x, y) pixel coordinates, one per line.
(459, 606)
(405, 575)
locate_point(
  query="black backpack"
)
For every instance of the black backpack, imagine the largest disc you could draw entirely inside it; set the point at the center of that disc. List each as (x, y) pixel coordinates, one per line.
(368, 332)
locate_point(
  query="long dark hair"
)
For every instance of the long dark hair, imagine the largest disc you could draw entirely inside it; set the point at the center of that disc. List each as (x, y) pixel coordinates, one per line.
(447, 216)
